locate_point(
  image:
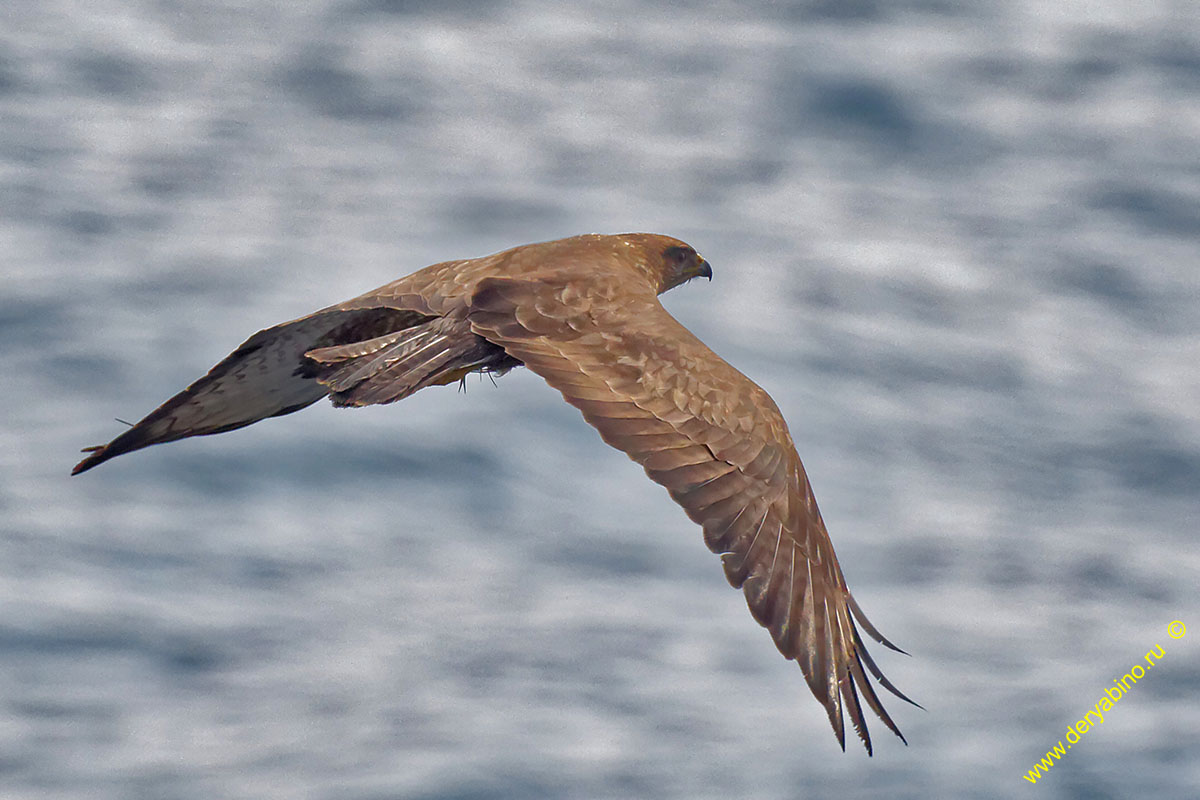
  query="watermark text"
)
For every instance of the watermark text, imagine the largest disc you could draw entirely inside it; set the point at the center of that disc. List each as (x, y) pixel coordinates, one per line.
(1095, 715)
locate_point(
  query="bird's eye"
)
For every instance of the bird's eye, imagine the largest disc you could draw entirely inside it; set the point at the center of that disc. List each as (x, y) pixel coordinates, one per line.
(679, 255)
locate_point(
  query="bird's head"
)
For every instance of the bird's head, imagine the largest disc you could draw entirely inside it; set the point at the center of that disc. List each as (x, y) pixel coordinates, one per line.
(667, 261)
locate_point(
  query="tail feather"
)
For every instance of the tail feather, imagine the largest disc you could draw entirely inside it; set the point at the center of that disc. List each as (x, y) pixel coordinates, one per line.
(358, 357)
(343, 370)
(393, 367)
(344, 352)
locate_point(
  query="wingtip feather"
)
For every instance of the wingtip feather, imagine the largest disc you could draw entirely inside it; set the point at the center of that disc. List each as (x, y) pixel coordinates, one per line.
(868, 627)
(98, 456)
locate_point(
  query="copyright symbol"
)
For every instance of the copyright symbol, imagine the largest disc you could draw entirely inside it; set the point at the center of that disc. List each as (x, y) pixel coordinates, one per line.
(1176, 629)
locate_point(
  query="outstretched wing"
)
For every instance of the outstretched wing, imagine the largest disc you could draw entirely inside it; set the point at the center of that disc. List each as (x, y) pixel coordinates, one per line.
(719, 445)
(265, 377)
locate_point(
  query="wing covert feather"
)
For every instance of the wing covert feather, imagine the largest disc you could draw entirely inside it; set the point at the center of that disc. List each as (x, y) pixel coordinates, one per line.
(583, 313)
(719, 445)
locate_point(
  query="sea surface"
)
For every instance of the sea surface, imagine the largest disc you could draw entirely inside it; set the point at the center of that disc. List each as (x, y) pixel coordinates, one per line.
(958, 242)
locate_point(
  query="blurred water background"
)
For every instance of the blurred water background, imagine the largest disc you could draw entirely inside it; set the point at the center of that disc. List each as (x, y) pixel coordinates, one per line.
(958, 242)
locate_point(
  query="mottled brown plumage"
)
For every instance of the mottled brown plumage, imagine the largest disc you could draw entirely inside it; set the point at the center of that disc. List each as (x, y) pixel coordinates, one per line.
(583, 313)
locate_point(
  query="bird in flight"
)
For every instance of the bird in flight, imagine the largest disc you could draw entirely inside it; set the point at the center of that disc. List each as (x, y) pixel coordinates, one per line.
(583, 313)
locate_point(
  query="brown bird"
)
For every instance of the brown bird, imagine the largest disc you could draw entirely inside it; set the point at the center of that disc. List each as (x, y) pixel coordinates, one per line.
(584, 314)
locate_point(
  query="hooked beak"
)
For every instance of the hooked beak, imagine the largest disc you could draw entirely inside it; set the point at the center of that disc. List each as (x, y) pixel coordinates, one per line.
(703, 270)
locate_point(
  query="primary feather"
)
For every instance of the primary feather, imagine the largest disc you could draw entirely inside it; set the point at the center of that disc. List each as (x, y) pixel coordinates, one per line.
(583, 313)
